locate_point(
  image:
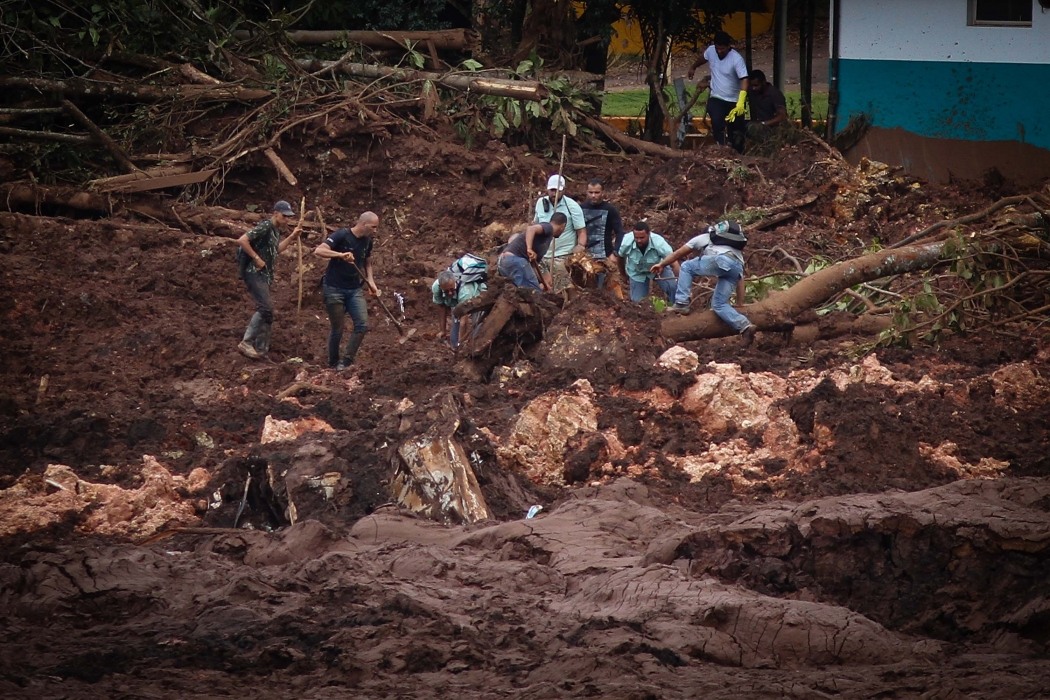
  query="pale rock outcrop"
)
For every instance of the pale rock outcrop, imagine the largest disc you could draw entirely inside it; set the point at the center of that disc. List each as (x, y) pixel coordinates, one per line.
(679, 359)
(536, 444)
(36, 502)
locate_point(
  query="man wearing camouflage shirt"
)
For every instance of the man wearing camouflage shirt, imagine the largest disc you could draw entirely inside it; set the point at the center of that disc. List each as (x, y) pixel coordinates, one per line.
(262, 245)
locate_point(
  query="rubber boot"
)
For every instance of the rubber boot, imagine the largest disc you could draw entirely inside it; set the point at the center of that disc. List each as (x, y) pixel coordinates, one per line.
(352, 346)
(253, 328)
(262, 338)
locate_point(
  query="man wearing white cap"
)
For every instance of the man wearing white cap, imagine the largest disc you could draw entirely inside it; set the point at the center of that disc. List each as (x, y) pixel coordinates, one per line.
(565, 244)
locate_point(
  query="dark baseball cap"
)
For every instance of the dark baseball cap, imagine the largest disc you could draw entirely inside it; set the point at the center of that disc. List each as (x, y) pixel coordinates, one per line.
(283, 207)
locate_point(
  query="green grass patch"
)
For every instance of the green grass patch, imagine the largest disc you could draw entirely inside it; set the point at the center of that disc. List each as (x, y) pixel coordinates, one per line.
(631, 103)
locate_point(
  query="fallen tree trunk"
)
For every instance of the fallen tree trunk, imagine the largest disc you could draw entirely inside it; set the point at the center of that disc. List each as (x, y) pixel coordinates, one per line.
(101, 136)
(34, 196)
(778, 310)
(143, 93)
(467, 82)
(629, 143)
(445, 39)
(44, 135)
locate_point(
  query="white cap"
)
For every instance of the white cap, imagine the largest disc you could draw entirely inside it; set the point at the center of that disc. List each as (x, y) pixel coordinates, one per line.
(555, 182)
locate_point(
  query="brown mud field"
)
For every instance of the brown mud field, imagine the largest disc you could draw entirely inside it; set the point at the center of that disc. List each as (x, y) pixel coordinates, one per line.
(822, 519)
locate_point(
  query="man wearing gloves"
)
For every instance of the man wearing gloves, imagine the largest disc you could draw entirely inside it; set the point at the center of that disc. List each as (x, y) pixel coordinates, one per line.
(728, 97)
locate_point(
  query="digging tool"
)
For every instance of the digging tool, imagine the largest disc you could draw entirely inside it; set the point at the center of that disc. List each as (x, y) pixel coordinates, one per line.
(405, 333)
(299, 247)
(557, 197)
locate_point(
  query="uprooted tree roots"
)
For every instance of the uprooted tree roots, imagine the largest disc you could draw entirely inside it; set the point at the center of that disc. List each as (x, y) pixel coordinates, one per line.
(994, 276)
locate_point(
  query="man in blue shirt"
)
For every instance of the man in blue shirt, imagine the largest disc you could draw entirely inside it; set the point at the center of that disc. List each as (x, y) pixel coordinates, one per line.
(349, 255)
(639, 251)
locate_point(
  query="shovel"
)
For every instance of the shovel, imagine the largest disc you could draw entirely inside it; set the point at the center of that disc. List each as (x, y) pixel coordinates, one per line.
(405, 333)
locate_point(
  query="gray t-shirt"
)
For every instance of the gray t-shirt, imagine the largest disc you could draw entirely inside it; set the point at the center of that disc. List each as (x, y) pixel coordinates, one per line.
(703, 245)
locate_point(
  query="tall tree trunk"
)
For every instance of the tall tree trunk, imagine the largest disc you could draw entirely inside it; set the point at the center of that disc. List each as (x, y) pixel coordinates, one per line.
(657, 51)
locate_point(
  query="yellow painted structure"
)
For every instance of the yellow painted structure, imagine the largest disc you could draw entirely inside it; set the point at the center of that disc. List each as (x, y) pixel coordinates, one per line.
(627, 39)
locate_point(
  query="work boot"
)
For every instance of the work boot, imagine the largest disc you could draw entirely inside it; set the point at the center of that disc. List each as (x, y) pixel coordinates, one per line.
(247, 350)
(680, 309)
(748, 335)
(262, 338)
(352, 346)
(253, 328)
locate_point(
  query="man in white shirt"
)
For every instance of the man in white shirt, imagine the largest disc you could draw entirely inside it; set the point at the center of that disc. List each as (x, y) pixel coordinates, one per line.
(728, 97)
(721, 256)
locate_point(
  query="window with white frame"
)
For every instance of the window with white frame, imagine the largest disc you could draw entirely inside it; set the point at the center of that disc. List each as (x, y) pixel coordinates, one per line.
(1000, 13)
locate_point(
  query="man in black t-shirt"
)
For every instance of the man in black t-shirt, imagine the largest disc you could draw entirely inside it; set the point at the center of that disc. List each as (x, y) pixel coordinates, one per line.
(349, 254)
(517, 261)
(768, 108)
(604, 225)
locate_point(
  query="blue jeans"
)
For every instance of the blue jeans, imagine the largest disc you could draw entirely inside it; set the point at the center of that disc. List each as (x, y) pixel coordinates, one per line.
(338, 303)
(728, 270)
(666, 282)
(518, 270)
(726, 132)
(257, 334)
(453, 335)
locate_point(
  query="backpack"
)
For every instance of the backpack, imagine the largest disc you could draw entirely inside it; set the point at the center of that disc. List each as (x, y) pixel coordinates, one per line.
(728, 233)
(470, 268)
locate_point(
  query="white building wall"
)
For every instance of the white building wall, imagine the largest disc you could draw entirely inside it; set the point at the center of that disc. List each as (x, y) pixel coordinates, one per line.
(936, 30)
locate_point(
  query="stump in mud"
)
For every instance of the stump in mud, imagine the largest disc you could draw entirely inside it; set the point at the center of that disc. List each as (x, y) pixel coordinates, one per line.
(582, 332)
(433, 476)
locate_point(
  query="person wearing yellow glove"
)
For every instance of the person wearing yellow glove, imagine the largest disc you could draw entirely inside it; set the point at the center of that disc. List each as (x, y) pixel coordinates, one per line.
(728, 98)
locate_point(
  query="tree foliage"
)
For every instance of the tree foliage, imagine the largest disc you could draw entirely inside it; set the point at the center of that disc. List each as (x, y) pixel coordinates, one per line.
(664, 25)
(57, 36)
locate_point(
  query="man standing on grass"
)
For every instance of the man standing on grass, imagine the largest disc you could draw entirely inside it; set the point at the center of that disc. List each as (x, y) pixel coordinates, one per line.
(261, 247)
(728, 98)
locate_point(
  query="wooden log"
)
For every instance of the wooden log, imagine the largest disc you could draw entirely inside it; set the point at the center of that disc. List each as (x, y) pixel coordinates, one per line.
(134, 92)
(117, 182)
(44, 135)
(629, 143)
(443, 39)
(519, 89)
(101, 136)
(156, 183)
(502, 311)
(36, 195)
(29, 111)
(280, 166)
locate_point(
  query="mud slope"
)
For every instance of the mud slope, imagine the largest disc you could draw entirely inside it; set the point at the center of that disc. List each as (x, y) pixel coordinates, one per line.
(786, 520)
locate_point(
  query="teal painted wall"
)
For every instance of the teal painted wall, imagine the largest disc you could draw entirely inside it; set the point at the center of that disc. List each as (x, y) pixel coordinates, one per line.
(950, 100)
